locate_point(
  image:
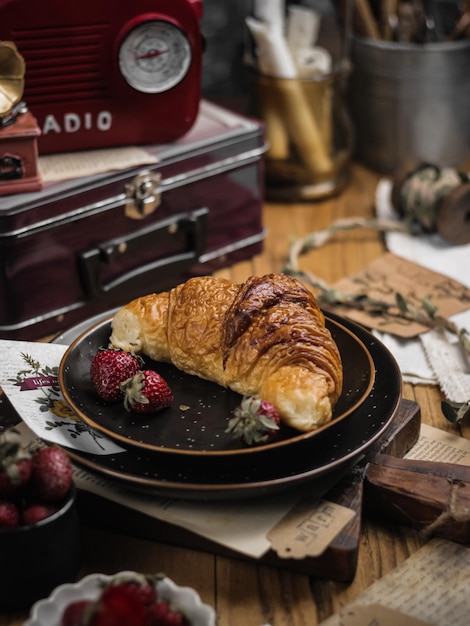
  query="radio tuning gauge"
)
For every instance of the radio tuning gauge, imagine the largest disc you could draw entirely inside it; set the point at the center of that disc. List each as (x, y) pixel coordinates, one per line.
(154, 56)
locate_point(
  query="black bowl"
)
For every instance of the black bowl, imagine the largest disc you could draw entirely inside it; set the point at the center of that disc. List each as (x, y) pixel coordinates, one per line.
(38, 558)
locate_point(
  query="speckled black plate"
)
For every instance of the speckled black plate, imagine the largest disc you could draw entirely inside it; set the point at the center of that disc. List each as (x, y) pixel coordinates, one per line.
(328, 454)
(196, 421)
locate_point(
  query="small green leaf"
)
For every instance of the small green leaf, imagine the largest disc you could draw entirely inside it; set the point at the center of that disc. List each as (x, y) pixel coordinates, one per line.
(401, 302)
(463, 411)
(429, 308)
(455, 412)
(464, 339)
(449, 412)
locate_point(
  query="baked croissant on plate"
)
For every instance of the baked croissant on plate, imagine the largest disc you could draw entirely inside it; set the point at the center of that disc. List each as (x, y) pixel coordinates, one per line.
(265, 337)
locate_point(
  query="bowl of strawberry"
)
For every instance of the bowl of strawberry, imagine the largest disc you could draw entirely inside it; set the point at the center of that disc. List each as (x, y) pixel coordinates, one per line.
(39, 525)
(125, 598)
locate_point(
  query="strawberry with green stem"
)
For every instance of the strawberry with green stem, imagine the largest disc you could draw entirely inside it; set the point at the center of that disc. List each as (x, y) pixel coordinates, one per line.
(146, 392)
(109, 368)
(254, 422)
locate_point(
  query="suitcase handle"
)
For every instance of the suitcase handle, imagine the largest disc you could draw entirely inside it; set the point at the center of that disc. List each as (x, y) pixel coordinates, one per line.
(193, 225)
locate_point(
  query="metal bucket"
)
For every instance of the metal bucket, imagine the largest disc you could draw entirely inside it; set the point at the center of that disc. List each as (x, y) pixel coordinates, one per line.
(410, 102)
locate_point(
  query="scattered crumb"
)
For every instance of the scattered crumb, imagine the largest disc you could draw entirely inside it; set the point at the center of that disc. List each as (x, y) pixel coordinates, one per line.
(184, 407)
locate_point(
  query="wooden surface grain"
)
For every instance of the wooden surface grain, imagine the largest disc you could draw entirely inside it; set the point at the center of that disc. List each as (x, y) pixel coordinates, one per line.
(246, 593)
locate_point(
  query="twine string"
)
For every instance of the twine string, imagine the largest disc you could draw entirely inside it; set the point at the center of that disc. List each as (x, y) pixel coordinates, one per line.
(423, 190)
(452, 512)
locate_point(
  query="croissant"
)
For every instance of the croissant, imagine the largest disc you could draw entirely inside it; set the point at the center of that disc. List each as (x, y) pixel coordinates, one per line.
(265, 337)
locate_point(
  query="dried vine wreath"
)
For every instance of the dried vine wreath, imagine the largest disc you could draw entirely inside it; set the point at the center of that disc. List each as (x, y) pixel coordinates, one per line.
(327, 296)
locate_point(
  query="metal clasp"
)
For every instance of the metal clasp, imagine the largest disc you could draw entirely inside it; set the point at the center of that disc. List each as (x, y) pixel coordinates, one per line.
(143, 195)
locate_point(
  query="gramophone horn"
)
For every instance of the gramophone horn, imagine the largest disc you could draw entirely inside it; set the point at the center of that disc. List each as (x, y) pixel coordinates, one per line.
(12, 71)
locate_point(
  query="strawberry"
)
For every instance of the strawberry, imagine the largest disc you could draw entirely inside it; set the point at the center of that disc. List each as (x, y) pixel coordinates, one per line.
(34, 513)
(163, 614)
(51, 474)
(129, 599)
(146, 392)
(108, 369)
(124, 601)
(75, 613)
(254, 422)
(9, 515)
(15, 464)
(139, 589)
(31, 485)
(119, 606)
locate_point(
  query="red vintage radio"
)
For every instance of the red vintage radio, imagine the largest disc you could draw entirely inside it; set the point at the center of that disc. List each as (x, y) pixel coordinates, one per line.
(101, 73)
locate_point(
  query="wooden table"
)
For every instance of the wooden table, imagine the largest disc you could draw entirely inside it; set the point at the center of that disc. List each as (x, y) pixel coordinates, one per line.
(242, 592)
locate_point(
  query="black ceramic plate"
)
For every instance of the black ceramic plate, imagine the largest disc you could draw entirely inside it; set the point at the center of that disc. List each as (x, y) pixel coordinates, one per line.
(197, 429)
(326, 455)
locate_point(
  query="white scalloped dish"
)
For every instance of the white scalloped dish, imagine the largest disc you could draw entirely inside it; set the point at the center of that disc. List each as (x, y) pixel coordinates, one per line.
(48, 612)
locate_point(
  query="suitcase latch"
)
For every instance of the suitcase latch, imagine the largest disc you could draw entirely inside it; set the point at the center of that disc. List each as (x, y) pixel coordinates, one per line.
(143, 195)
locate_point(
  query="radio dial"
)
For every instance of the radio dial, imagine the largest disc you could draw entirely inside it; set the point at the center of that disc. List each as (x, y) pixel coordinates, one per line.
(154, 56)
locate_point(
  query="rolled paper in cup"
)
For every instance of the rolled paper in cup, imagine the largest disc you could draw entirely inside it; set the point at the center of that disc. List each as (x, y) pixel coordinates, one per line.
(303, 25)
(320, 96)
(313, 60)
(271, 12)
(302, 128)
(275, 130)
(274, 56)
(275, 60)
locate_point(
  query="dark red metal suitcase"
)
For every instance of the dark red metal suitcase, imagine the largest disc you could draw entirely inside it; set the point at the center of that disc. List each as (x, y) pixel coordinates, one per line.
(83, 246)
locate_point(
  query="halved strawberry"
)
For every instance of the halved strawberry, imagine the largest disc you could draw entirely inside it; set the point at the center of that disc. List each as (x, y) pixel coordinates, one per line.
(146, 392)
(254, 422)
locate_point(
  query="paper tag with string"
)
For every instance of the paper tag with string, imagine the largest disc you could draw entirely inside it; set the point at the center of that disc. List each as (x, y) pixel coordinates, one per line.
(309, 528)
